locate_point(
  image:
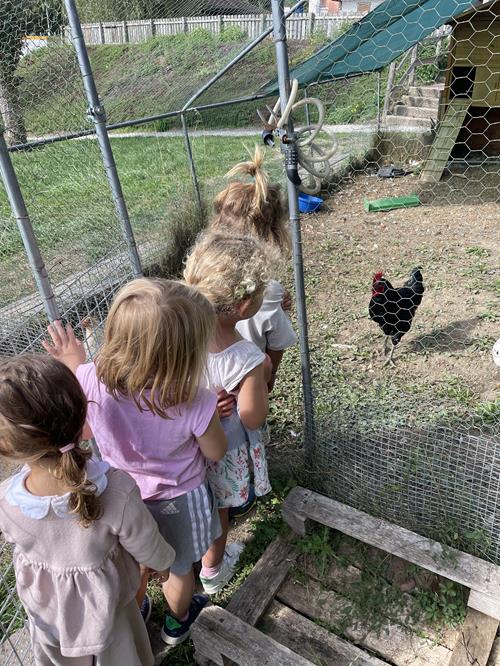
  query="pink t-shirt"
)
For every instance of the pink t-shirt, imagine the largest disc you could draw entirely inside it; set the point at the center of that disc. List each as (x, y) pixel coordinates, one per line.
(162, 455)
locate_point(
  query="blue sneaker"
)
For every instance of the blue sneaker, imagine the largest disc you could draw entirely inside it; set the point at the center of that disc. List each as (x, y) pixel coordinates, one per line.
(146, 608)
(174, 631)
(240, 511)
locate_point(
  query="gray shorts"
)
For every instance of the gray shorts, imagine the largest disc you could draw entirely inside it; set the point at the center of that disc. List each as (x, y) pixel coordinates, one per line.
(189, 523)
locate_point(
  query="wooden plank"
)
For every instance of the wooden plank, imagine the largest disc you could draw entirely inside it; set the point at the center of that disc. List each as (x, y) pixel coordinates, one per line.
(494, 659)
(340, 579)
(470, 571)
(252, 598)
(394, 643)
(476, 640)
(484, 604)
(218, 634)
(445, 140)
(312, 641)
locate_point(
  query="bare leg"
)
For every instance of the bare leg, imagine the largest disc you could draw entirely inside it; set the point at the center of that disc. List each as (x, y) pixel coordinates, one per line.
(178, 591)
(141, 592)
(214, 555)
(386, 345)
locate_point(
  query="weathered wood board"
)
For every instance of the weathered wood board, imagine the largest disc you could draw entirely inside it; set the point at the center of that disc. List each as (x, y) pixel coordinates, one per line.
(224, 635)
(395, 644)
(312, 641)
(476, 640)
(259, 588)
(303, 505)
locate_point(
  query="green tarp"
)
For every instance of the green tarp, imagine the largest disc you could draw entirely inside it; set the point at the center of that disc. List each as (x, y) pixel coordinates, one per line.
(376, 40)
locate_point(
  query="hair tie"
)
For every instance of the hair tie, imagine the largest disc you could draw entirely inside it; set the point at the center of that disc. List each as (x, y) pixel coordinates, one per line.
(68, 447)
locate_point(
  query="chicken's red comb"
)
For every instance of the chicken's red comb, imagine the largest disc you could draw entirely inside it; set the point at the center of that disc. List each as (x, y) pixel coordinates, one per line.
(378, 276)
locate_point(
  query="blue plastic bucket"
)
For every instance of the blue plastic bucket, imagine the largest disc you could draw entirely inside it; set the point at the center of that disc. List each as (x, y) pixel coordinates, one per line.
(308, 203)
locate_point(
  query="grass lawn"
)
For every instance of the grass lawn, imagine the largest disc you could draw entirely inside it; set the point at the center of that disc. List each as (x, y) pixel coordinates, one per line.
(71, 207)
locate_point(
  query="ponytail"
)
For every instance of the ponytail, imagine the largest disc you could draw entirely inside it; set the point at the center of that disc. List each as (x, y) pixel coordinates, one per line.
(71, 470)
(254, 208)
(42, 414)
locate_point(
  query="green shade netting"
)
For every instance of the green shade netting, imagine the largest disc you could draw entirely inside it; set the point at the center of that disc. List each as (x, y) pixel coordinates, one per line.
(376, 40)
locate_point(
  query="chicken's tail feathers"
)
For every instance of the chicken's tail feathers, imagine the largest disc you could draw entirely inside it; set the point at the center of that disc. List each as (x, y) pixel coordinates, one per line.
(416, 280)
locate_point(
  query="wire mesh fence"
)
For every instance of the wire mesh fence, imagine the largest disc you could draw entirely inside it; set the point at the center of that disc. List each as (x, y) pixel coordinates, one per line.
(409, 121)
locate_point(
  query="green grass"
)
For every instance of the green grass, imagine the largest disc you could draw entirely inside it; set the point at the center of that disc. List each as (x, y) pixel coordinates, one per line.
(160, 75)
(71, 207)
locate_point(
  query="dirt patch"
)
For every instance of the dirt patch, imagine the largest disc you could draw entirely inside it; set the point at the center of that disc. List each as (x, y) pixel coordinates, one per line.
(449, 346)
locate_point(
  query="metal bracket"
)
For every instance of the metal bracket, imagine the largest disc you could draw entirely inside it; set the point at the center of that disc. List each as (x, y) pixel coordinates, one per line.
(97, 114)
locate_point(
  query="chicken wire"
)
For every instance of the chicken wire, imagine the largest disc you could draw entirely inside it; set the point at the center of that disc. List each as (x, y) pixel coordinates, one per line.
(416, 444)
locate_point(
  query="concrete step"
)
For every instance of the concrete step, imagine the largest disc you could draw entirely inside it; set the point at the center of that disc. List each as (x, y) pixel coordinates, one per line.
(395, 122)
(428, 102)
(425, 91)
(414, 111)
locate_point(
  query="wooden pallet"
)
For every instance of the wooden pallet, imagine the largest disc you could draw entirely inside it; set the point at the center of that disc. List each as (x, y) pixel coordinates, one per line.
(444, 141)
(292, 614)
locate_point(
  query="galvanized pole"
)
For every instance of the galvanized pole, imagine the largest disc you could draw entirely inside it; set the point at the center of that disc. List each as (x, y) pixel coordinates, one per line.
(97, 113)
(279, 36)
(18, 206)
(192, 170)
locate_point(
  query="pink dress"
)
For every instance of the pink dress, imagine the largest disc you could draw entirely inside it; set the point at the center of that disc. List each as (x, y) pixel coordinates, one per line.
(78, 584)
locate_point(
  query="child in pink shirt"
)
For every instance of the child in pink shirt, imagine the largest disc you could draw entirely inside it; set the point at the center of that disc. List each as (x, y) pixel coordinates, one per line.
(151, 419)
(79, 527)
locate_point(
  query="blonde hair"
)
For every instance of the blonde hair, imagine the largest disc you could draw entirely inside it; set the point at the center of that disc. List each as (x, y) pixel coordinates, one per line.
(254, 208)
(155, 344)
(228, 269)
(42, 410)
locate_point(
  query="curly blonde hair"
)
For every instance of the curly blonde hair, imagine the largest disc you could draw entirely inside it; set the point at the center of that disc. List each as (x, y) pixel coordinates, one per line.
(254, 208)
(229, 269)
(155, 343)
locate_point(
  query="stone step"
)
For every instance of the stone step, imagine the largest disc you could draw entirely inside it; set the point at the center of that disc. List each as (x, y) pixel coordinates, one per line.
(414, 111)
(425, 91)
(429, 102)
(406, 122)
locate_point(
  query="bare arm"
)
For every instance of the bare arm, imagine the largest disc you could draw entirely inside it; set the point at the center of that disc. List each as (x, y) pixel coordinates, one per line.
(213, 442)
(253, 402)
(275, 357)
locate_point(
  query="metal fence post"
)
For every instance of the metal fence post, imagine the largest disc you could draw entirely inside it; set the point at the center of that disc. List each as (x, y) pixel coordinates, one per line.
(30, 243)
(96, 112)
(192, 168)
(279, 35)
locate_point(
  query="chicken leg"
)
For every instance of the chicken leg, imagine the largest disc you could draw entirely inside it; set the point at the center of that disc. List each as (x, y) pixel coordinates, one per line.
(389, 354)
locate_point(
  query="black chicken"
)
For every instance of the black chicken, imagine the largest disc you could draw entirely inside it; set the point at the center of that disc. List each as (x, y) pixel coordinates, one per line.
(393, 309)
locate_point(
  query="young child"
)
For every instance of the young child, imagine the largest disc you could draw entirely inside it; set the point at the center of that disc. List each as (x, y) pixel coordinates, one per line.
(151, 419)
(232, 272)
(79, 527)
(256, 209)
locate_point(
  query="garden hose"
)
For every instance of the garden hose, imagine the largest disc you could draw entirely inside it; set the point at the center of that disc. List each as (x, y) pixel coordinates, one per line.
(313, 157)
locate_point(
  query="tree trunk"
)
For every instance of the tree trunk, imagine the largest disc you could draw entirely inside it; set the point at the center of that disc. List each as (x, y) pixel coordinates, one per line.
(10, 107)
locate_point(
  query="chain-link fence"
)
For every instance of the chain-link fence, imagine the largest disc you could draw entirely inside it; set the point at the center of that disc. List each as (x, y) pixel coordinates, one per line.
(408, 97)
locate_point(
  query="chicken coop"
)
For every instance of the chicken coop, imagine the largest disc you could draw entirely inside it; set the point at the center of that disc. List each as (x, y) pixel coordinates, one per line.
(90, 203)
(469, 110)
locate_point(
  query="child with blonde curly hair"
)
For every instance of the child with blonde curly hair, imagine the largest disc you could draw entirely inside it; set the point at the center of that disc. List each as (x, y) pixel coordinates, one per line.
(256, 209)
(151, 419)
(232, 272)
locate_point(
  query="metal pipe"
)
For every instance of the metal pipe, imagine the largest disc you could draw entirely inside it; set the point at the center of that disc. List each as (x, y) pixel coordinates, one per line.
(238, 57)
(279, 36)
(30, 242)
(131, 123)
(96, 112)
(192, 168)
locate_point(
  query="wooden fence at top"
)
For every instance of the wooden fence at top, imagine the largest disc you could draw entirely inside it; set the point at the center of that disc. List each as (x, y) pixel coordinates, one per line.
(299, 27)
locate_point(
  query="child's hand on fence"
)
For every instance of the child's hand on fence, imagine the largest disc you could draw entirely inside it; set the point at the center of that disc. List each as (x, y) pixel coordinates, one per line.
(160, 576)
(225, 404)
(286, 301)
(65, 347)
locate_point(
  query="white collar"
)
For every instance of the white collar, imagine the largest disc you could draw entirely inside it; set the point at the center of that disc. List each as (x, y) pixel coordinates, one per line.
(37, 507)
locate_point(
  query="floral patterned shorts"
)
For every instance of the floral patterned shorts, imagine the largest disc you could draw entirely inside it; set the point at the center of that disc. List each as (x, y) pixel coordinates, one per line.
(230, 477)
